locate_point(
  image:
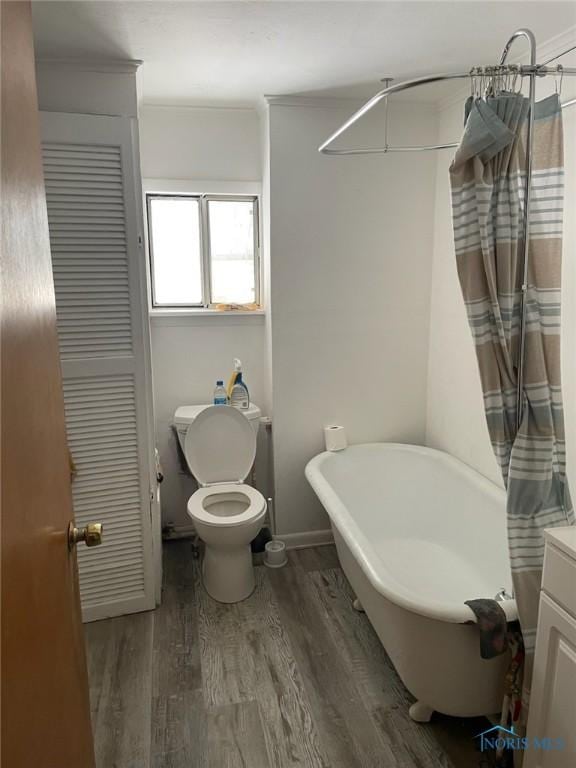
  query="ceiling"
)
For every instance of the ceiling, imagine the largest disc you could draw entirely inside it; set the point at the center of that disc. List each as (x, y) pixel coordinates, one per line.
(234, 52)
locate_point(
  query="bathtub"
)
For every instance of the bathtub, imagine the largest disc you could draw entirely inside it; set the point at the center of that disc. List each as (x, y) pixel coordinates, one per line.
(418, 532)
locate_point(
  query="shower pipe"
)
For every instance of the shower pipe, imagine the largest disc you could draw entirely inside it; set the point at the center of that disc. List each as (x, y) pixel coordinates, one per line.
(532, 71)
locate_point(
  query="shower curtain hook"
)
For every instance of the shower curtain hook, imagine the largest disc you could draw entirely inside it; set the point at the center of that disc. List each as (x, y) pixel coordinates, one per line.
(514, 79)
(558, 85)
(488, 83)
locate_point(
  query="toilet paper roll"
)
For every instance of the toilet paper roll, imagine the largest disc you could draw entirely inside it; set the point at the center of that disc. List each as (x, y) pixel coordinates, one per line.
(335, 438)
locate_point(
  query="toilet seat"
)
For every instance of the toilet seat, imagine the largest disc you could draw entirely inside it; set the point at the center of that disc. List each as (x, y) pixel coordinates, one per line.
(220, 446)
(200, 511)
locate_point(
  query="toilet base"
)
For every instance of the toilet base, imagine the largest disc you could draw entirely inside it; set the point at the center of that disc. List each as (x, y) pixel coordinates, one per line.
(228, 575)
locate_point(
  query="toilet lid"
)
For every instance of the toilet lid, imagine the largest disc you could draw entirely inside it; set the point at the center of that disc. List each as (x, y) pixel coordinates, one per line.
(220, 445)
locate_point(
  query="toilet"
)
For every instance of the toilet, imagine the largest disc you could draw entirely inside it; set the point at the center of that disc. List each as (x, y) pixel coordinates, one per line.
(219, 444)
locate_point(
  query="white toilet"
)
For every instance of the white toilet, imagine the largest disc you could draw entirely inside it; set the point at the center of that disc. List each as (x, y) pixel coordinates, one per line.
(220, 445)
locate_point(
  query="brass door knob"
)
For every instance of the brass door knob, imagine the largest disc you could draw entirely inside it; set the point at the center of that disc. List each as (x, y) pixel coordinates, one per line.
(91, 535)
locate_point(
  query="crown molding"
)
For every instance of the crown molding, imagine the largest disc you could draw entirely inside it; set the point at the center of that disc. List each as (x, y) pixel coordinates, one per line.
(105, 66)
(207, 107)
(555, 45)
(334, 102)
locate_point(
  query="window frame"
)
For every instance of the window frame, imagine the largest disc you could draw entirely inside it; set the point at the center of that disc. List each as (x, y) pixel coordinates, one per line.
(205, 251)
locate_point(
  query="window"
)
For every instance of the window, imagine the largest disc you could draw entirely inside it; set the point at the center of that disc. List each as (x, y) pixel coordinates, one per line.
(204, 250)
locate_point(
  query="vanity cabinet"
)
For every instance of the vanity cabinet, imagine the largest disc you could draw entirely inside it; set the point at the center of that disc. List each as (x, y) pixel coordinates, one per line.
(553, 700)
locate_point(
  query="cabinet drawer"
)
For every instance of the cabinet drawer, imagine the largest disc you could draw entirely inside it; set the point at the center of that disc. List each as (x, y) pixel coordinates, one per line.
(559, 578)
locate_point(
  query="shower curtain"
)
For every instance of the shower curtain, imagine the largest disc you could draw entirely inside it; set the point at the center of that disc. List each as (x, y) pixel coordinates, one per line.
(488, 189)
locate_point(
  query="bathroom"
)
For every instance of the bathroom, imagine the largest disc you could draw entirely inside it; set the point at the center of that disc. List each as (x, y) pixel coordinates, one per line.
(296, 646)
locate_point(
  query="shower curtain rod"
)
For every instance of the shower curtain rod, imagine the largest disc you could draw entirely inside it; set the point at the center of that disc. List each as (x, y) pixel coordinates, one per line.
(532, 71)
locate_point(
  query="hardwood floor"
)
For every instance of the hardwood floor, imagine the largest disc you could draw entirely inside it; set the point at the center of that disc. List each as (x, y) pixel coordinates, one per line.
(293, 676)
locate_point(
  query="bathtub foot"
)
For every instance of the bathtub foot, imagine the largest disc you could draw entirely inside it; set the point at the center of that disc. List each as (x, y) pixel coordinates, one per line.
(357, 605)
(420, 712)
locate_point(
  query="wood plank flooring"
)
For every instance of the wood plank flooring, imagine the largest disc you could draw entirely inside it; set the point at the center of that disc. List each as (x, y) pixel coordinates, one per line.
(293, 676)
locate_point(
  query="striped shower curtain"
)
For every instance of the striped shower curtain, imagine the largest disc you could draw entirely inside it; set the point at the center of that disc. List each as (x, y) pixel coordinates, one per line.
(488, 177)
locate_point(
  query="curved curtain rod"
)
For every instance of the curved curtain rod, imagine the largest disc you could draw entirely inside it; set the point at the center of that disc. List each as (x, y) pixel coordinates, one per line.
(532, 70)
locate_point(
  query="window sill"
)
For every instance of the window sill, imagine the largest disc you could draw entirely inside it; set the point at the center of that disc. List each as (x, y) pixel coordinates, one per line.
(184, 317)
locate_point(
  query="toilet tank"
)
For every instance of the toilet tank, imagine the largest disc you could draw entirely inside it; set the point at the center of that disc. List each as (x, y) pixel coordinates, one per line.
(185, 415)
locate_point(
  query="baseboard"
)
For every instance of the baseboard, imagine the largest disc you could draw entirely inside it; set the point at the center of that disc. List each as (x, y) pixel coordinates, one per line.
(306, 539)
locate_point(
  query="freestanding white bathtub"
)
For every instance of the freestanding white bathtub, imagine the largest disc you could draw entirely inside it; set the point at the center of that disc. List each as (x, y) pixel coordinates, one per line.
(418, 532)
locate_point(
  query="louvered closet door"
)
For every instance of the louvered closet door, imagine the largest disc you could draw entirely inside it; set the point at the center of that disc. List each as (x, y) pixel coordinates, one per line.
(99, 278)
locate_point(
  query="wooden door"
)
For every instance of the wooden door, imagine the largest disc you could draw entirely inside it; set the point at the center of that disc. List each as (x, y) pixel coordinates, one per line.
(45, 706)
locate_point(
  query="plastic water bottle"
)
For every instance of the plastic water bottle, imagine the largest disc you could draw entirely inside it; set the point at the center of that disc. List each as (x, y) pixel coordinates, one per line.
(220, 396)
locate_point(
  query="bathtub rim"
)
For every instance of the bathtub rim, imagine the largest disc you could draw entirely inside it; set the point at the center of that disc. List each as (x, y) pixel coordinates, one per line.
(361, 548)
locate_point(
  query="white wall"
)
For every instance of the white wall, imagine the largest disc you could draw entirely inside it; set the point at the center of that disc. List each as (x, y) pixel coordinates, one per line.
(350, 279)
(200, 143)
(190, 353)
(455, 416)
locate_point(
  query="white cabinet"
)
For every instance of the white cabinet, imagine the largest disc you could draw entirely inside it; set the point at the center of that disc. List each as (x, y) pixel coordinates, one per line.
(93, 198)
(552, 714)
